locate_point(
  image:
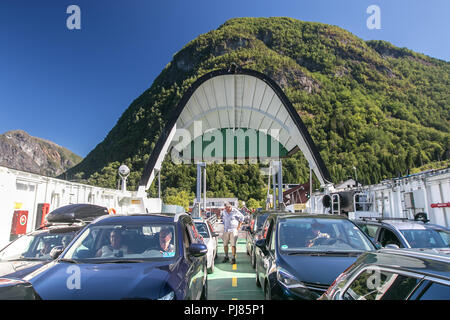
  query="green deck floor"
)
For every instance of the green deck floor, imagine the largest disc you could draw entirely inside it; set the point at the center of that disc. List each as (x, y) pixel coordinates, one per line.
(228, 284)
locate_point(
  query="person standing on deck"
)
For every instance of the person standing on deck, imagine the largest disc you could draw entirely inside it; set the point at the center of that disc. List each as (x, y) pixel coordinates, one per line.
(232, 222)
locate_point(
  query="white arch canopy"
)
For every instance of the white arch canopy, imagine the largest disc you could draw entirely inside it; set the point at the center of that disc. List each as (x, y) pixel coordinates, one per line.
(236, 99)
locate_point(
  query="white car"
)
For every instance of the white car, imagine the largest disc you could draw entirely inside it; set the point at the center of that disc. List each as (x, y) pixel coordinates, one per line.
(210, 238)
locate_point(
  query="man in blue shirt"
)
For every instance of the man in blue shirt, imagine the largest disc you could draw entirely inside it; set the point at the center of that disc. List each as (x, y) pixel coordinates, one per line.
(232, 222)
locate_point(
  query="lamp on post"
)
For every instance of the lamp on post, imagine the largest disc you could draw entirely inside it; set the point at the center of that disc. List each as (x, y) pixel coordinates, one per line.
(124, 172)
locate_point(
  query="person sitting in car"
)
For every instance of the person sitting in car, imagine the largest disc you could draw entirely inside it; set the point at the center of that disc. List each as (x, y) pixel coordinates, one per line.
(65, 241)
(165, 237)
(316, 235)
(45, 251)
(115, 248)
(163, 246)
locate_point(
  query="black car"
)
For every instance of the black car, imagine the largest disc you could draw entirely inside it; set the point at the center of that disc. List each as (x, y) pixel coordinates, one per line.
(302, 254)
(406, 233)
(32, 250)
(254, 232)
(394, 274)
(144, 256)
(16, 289)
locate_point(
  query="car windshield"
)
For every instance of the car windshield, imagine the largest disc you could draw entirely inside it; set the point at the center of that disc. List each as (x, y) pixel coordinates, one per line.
(202, 229)
(321, 234)
(260, 221)
(123, 242)
(35, 246)
(427, 238)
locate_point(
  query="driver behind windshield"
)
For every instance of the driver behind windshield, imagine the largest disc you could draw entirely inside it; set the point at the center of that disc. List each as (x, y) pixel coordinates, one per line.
(45, 251)
(316, 235)
(115, 248)
(165, 237)
(65, 241)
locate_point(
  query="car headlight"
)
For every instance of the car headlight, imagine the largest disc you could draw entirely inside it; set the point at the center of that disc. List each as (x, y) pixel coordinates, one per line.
(288, 280)
(169, 296)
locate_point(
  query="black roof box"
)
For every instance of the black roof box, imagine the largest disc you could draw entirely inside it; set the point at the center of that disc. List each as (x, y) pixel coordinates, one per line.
(76, 212)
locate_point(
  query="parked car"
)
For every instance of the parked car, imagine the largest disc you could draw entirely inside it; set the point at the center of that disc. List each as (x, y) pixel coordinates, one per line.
(30, 251)
(406, 233)
(210, 238)
(394, 274)
(16, 289)
(143, 256)
(254, 233)
(302, 254)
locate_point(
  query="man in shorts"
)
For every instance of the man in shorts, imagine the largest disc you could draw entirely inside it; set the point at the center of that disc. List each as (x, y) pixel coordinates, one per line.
(232, 222)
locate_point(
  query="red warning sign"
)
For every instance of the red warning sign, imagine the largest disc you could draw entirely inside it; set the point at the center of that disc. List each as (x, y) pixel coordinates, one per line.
(440, 205)
(19, 223)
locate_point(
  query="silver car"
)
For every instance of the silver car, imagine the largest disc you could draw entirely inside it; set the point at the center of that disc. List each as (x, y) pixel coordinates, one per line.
(210, 238)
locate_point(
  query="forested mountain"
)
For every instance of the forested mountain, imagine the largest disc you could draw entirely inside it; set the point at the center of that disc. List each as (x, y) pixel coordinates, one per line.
(367, 104)
(20, 151)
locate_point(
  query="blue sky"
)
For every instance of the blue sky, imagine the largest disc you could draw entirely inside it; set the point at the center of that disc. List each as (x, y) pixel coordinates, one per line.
(71, 86)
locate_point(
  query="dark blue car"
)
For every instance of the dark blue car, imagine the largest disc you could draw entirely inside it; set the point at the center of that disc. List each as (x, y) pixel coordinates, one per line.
(16, 289)
(128, 257)
(303, 254)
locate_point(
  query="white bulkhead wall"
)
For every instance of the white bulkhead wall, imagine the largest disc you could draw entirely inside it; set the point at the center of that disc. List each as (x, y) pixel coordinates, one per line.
(24, 191)
(426, 189)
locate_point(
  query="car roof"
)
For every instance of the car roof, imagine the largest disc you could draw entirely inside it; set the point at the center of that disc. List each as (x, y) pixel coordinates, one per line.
(288, 215)
(403, 224)
(140, 218)
(56, 229)
(426, 262)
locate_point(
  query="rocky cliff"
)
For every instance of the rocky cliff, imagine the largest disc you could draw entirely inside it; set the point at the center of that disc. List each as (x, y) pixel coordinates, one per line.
(20, 151)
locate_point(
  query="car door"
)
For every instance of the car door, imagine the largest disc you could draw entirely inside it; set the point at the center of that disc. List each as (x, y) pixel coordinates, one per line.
(271, 256)
(198, 263)
(431, 290)
(370, 229)
(387, 236)
(267, 258)
(378, 283)
(260, 255)
(192, 264)
(214, 239)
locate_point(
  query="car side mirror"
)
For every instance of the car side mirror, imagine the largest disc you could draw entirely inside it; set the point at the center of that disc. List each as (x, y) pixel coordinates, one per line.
(214, 234)
(197, 249)
(56, 252)
(262, 245)
(392, 246)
